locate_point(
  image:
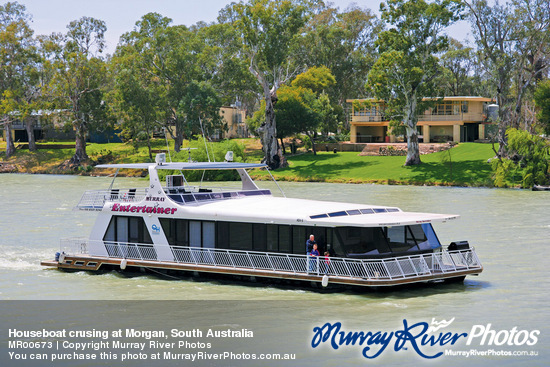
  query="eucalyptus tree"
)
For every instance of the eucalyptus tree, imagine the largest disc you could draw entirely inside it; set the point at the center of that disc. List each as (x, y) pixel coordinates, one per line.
(344, 42)
(268, 29)
(513, 42)
(407, 68)
(532, 49)
(542, 101)
(458, 65)
(18, 64)
(170, 63)
(79, 77)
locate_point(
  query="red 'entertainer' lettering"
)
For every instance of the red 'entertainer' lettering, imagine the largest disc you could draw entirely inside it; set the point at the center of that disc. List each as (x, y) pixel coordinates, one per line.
(142, 209)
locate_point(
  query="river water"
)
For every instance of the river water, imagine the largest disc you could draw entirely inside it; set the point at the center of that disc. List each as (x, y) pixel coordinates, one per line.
(510, 230)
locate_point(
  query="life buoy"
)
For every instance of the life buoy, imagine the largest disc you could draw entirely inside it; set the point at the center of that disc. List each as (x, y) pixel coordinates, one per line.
(123, 264)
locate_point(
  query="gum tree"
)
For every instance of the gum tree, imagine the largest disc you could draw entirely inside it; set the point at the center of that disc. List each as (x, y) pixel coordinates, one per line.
(407, 68)
(79, 77)
(18, 60)
(268, 29)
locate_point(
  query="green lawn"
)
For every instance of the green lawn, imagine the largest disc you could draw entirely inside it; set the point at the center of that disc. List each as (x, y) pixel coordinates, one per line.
(469, 167)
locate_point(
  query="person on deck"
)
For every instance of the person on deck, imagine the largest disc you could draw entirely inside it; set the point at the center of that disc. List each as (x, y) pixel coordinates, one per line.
(314, 258)
(309, 247)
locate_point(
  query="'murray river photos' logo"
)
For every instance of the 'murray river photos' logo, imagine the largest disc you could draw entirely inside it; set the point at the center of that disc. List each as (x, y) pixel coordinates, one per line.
(425, 339)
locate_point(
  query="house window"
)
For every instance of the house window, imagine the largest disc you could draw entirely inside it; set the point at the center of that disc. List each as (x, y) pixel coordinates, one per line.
(465, 107)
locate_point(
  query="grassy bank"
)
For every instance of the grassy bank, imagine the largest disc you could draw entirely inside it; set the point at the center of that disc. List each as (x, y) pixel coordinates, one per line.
(463, 165)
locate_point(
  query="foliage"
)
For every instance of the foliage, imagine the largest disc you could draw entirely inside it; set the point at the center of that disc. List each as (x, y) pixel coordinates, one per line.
(542, 101)
(317, 79)
(457, 63)
(268, 29)
(343, 42)
(18, 69)
(529, 159)
(79, 76)
(407, 68)
(296, 110)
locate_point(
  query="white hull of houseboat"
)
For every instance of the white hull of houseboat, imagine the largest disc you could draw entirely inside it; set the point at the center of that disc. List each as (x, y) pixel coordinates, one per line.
(186, 229)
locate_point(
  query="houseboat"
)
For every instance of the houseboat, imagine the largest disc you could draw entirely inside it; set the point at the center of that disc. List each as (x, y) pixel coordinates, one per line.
(246, 233)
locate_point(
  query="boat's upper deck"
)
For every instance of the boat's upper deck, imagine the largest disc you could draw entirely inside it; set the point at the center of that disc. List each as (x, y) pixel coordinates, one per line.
(247, 203)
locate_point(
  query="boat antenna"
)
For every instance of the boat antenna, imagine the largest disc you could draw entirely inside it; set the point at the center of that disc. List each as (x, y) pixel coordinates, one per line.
(113, 181)
(276, 183)
(167, 146)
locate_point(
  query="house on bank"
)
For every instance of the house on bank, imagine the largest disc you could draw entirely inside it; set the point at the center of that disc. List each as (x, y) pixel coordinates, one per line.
(457, 119)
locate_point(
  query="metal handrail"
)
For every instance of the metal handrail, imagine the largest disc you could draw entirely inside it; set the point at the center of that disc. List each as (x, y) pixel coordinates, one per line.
(95, 199)
(416, 266)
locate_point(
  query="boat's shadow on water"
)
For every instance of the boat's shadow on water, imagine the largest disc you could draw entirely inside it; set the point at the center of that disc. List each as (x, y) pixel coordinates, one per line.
(424, 290)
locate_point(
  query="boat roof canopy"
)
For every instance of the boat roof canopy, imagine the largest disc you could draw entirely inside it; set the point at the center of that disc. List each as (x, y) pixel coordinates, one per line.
(186, 165)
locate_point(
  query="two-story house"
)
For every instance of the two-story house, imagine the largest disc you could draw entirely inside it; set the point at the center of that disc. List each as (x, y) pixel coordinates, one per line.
(455, 119)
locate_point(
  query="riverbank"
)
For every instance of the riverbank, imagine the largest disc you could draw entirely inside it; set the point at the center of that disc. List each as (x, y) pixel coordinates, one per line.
(464, 165)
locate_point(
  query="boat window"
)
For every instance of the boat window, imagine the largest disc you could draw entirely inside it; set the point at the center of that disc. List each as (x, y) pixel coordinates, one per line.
(299, 238)
(400, 239)
(195, 233)
(367, 211)
(223, 235)
(431, 237)
(122, 229)
(284, 238)
(127, 229)
(337, 214)
(208, 234)
(259, 237)
(175, 231)
(318, 216)
(272, 238)
(240, 236)
(360, 241)
(354, 212)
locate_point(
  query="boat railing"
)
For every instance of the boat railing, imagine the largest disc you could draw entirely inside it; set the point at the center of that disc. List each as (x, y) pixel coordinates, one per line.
(403, 267)
(95, 199)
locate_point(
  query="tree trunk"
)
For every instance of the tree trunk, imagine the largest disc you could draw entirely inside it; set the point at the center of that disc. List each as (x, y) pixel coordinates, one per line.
(30, 134)
(178, 139)
(269, 135)
(80, 145)
(311, 138)
(413, 149)
(10, 147)
(283, 146)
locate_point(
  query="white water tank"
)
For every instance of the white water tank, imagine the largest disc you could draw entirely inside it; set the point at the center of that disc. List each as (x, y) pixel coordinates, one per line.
(160, 158)
(492, 112)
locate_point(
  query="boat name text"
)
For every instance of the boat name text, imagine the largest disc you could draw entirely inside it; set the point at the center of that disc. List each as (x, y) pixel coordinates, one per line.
(142, 209)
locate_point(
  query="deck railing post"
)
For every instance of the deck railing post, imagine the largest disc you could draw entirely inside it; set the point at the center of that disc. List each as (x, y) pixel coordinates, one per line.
(291, 265)
(386, 268)
(250, 260)
(270, 262)
(230, 258)
(347, 268)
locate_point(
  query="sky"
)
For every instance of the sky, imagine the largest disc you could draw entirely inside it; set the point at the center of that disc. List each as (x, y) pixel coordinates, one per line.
(121, 15)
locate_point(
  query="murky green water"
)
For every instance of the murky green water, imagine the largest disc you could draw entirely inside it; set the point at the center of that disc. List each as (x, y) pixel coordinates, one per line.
(510, 230)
